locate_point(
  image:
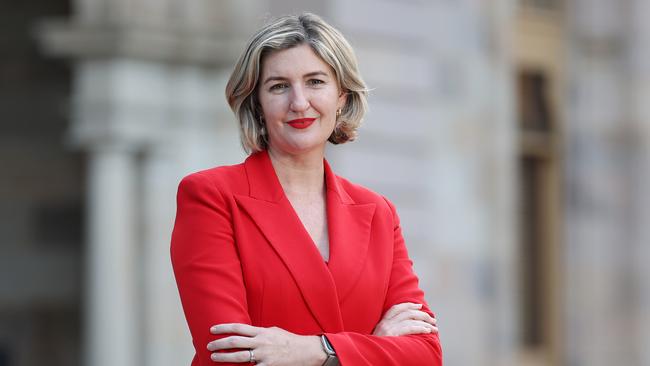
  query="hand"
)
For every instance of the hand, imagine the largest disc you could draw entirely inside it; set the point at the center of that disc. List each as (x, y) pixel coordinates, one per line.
(405, 318)
(270, 346)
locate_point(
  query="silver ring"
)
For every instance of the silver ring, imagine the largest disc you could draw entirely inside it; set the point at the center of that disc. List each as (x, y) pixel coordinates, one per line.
(251, 359)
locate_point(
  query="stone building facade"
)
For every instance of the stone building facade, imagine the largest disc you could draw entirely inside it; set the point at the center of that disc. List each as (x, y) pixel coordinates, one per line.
(516, 134)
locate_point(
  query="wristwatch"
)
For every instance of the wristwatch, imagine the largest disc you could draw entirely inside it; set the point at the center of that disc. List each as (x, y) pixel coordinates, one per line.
(332, 359)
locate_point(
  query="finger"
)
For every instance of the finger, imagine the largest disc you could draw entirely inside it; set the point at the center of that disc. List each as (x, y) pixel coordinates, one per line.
(416, 315)
(235, 328)
(415, 327)
(398, 308)
(239, 356)
(424, 316)
(419, 323)
(394, 327)
(231, 342)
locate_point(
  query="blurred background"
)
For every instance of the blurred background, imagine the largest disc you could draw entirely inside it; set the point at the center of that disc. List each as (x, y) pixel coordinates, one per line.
(512, 135)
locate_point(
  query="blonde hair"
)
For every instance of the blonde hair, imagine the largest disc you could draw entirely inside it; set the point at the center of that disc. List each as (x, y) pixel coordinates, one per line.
(283, 33)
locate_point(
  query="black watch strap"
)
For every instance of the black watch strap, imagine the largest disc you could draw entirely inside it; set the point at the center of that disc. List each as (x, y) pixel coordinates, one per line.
(332, 359)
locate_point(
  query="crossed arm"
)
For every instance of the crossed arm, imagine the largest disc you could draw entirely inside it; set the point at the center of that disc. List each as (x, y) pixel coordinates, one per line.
(406, 334)
(277, 346)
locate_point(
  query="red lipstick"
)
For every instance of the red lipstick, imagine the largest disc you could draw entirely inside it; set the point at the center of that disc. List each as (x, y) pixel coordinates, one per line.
(301, 123)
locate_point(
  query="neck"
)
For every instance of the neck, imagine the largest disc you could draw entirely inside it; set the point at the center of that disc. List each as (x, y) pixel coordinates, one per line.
(301, 174)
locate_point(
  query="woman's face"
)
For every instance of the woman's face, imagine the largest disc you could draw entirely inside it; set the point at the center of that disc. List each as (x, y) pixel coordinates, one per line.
(299, 96)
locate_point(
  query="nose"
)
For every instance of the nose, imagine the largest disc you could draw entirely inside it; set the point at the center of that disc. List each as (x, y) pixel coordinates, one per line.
(299, 101)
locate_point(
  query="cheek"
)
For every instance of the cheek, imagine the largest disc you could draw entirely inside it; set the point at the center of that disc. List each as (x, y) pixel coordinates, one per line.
(328, 104)
(339, 99)
(271, 107)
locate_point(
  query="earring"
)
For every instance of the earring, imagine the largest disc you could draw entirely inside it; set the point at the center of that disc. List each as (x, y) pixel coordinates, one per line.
(338, 113)
(262, 125)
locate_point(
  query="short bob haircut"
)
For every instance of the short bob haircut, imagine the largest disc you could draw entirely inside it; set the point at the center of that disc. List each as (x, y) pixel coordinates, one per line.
(283, 33)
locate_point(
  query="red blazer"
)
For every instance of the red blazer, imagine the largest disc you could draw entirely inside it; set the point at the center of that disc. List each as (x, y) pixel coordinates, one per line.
(241, 254)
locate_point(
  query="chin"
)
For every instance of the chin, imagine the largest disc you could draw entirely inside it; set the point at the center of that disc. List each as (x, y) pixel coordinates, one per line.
(301, 147)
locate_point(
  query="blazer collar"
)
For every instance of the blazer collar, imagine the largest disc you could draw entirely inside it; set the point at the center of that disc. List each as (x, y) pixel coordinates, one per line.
(324, 286)
(262, 180)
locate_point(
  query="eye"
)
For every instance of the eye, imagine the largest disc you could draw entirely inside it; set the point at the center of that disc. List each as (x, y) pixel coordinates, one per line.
(315, 82)
(279, 86)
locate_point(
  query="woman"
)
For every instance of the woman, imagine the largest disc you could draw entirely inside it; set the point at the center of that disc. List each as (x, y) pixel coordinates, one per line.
(279, 261)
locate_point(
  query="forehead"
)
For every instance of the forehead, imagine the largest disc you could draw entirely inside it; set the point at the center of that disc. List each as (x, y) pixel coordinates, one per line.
(295, 61)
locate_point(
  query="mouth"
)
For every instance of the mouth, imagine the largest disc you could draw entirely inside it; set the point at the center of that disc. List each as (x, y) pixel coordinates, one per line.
(301, 123)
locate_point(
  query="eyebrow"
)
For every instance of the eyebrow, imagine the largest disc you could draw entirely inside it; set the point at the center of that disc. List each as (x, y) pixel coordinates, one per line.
(280, 78)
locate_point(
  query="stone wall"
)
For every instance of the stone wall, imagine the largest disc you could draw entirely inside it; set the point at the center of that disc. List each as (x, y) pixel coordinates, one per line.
(607, 176)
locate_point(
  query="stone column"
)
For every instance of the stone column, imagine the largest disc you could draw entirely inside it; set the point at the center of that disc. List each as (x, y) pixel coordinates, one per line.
(164, 327)
(500, 168)
(640, 62)
(135, 104)
(110, 318)
(602, 155)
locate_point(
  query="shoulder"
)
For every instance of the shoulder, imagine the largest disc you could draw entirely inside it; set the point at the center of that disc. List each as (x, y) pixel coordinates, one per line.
(225, 179)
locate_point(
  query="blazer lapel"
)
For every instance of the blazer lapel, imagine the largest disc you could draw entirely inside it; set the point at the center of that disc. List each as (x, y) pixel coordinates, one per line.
(273, 214)
(349, 227)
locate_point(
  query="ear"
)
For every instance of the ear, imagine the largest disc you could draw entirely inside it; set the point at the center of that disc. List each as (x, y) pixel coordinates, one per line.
(343, 98)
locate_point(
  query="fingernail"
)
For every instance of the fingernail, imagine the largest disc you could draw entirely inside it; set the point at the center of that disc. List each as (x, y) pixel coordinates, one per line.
(213, 356)
(210, 346)
(213, 329)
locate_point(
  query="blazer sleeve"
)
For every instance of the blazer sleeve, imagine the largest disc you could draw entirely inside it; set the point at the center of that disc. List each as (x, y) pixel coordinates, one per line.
(206, 263)
(356, 349)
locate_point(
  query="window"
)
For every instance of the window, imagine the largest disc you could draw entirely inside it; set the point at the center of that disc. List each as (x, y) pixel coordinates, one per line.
(538, 203)
(539, 35)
